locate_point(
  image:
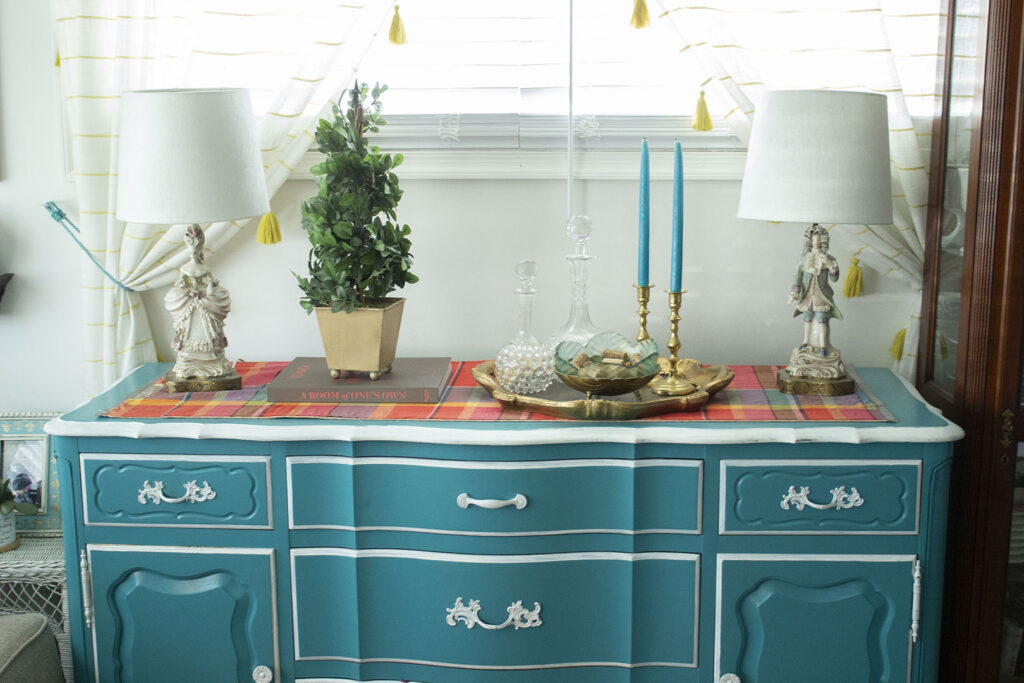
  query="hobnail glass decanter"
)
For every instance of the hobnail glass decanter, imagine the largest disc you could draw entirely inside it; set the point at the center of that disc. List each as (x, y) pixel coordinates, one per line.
(525, 365)
(578, 328)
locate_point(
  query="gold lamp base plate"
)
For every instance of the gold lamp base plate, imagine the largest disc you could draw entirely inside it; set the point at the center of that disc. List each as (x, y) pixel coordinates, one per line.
(177, 385)
(815, 386)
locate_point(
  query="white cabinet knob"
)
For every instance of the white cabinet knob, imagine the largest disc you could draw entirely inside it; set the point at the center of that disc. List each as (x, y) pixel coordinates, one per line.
(729, 678)
(262, 674)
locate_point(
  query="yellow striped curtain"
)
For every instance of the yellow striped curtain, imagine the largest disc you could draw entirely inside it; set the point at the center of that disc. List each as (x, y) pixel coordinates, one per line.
(884, 46)
(294, 58)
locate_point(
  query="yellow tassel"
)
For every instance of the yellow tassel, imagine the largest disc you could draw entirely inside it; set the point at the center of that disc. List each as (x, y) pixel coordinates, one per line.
(854, 285)
(702, 119)
(897, 344)
(56, 60)
(397, 33)
(270, 230)
(160, 357)
(641, 19)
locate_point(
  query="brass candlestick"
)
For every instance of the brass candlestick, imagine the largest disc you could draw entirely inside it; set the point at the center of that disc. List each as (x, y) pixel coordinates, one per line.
(643, 295)
(672, 383)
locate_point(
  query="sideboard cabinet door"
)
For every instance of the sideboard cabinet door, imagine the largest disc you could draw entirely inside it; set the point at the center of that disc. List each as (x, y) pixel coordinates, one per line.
(182, 614)
(840, 618)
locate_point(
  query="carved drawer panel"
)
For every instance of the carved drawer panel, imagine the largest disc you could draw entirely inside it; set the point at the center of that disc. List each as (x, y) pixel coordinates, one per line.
(820, 497)
(176, 490)
(495, 498)
(508, 612)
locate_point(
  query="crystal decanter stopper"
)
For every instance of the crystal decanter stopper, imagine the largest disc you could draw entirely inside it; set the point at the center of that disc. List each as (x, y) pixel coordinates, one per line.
(578, 328)
(525, 365)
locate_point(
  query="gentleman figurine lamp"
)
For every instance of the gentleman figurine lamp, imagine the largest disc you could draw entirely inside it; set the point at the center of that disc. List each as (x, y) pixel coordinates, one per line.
(819, 157)
(190, 156)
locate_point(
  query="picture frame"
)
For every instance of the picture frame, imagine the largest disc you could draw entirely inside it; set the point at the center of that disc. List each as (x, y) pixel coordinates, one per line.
(27, 459)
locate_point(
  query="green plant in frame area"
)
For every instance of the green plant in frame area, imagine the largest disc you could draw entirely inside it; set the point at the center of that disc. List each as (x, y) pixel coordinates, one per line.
(8, 505)
(359, 253)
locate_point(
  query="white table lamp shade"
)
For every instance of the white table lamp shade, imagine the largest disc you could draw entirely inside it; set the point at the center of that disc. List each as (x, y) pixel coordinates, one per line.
(189, 156)
(818, 156)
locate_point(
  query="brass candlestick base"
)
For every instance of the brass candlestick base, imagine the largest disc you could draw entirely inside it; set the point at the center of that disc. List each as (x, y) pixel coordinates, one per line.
(643, 295)
(672, 383)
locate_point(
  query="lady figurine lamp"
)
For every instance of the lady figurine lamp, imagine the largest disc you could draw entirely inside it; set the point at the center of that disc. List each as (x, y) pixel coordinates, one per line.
(190, 156)
(198, 306)
(817, 157)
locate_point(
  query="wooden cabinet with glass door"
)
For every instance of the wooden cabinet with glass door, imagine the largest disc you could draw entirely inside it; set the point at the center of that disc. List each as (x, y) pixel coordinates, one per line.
(1011, 660)
(971, 329)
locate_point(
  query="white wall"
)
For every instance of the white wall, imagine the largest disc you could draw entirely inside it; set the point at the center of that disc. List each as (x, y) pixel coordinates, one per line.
(467, 237)
(40, 327)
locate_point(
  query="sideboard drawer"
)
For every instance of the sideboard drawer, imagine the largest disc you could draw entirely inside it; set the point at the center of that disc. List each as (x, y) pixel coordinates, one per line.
(820, 497)
(176, 490)
(495, 498)
(496, 611)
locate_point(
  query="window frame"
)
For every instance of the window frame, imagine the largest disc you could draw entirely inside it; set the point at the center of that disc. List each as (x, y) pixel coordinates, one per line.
(512, 146)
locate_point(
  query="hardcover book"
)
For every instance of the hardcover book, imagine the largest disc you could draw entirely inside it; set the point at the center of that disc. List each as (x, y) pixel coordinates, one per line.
(411, 380)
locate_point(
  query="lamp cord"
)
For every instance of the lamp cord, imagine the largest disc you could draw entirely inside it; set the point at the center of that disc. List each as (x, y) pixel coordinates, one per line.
(61, 218)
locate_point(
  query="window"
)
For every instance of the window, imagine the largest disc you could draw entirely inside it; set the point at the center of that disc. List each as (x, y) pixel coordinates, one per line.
(494, 75)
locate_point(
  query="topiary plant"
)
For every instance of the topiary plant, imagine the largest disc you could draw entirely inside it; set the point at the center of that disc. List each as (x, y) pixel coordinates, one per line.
(360, 254)
(7, 504)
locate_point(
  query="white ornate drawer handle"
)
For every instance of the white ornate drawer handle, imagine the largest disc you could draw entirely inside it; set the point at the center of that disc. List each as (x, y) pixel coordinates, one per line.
(841, 500)
(518, 616)
(464, 501)
(193, 493)
(262, 674)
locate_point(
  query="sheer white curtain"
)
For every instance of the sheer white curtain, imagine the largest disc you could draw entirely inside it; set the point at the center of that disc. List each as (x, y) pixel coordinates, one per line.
(294, 58)
(883, 46)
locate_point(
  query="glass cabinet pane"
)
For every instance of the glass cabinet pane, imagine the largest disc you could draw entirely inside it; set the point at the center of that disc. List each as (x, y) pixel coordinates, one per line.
(963, 78)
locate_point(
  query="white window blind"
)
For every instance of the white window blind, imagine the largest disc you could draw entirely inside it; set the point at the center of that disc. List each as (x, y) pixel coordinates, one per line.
(472, 57)
(495, 75)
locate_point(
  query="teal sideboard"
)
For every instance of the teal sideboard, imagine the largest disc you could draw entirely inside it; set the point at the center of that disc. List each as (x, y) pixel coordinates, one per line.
(505, 552)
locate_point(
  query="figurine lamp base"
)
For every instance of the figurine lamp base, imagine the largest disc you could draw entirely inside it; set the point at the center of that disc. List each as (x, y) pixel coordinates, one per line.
(176, 385)
(814, 386)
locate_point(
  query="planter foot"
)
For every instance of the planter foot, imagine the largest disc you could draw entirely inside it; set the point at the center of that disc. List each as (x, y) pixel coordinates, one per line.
(375, 374)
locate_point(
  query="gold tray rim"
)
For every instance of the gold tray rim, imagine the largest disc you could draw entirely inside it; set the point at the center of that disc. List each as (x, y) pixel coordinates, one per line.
(600, 408)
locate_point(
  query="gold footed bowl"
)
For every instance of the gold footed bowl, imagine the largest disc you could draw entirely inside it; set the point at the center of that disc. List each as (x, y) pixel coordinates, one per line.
(592, 386)
(564, 402)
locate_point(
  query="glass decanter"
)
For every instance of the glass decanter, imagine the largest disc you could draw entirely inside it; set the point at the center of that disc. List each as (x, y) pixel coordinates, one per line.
(525, 365)
(578, 328)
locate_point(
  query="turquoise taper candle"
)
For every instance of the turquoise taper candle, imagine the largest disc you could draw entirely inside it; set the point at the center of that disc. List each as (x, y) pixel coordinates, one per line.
(677, 220)
(644, 251)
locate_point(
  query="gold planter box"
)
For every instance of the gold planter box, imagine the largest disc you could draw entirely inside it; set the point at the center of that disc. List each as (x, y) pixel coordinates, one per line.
(363, 340)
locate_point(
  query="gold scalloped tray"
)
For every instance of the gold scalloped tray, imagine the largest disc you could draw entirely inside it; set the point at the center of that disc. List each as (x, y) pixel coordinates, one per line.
(561, 401)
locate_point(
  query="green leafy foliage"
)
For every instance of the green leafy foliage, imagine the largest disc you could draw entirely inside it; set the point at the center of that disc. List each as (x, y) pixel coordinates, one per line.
(7, 504)
(359, 253)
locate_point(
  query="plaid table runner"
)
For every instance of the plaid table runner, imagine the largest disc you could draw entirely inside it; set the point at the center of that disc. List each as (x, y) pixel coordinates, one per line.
(750, 398)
